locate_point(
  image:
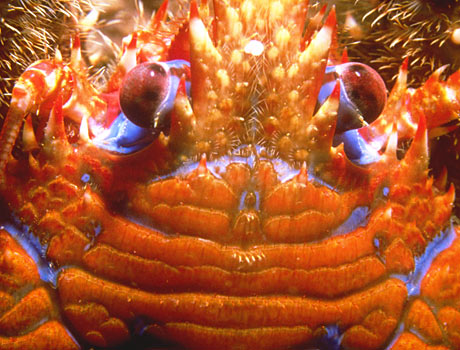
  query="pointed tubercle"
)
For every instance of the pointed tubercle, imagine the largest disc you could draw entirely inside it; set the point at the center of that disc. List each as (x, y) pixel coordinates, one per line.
(160, 16)
(325, 121)
(129, 59)
(441, 180)
(451, 193)
(392, 144)
(418, 151)
(331, 20)
(204, 59)
(28, 135)
(194, 14)
(202, 168)
(402, 75)
(302, 176)
(57, 56)
(182, 117)
(84, 129)
(76, 59)
(55, 128)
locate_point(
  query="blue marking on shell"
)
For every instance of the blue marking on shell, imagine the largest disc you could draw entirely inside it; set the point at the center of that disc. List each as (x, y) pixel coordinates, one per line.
(85, 177)
(37, 251)
(356, 148)
(423, 263)
(331, 339)
(385, 191)
(124, 137)
(358, 218)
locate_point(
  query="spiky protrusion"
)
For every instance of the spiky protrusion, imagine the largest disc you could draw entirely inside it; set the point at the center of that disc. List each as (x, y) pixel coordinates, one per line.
(254, 83)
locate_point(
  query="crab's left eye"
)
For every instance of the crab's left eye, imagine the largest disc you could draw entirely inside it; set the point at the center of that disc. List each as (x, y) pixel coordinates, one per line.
(148, 92)
(146, 99)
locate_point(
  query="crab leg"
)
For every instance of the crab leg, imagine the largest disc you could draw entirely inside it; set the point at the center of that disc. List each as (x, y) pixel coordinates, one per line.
(37, 83)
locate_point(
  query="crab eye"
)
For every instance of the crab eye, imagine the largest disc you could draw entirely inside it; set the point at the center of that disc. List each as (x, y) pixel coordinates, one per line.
(146, 99)
(362, 99)
(144, 91)
(362, 94)
(364, 89)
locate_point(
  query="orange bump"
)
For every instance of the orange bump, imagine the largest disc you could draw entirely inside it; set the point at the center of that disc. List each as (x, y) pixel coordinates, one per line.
(293, 197)
(372, 333)
(398, 257)
(449, 318)
(200, 337)
(201, 190)
(231, 311)
(17, 268)
(204, 223)
(30, 310)
(94, 324)
(303, 227)
(237, 175)
(421, 318)
(157, 276)
(51, 335)
(67, 247)
(408, 341)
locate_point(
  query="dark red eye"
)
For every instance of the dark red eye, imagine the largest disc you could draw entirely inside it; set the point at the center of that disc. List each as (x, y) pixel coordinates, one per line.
(144, 89)
(364, 87)
(363, 94)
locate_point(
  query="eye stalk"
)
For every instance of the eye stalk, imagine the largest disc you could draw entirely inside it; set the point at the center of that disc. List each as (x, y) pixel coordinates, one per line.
(148, 92)
(362, 94)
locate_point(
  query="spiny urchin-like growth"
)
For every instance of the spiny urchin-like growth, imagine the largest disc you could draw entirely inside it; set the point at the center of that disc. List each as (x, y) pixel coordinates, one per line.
(383, 33)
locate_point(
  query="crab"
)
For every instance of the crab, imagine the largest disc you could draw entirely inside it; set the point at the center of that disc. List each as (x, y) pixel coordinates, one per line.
(236, 184)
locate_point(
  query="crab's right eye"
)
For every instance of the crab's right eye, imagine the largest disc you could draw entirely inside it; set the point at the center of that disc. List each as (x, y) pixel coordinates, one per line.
(143, 94)
(362, 94)
(363, 97)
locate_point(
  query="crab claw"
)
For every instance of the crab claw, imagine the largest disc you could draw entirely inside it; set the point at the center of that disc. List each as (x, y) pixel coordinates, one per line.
(146, 99)
(36, 85)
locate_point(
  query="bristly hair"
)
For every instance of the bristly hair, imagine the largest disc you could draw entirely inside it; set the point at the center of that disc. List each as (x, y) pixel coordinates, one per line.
(388, 31)
(32, 30)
